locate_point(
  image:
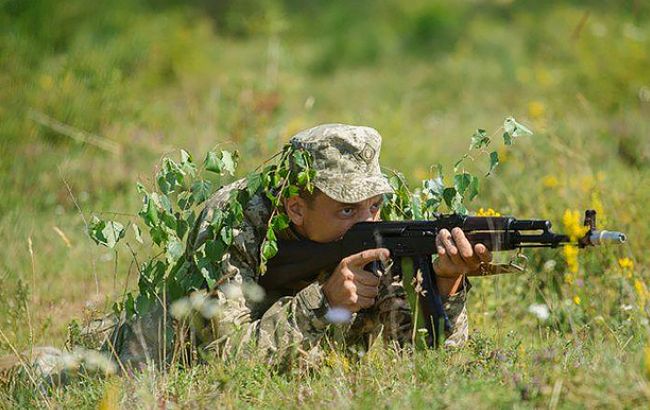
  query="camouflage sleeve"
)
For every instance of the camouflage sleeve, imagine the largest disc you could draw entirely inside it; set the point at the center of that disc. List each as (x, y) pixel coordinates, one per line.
(456, 308)
(246, 321)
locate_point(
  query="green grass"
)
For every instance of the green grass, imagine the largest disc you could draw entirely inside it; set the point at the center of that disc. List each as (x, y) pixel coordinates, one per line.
(192, 76)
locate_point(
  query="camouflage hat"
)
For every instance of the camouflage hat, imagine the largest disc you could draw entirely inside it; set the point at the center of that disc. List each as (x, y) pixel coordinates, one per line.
(346, 161)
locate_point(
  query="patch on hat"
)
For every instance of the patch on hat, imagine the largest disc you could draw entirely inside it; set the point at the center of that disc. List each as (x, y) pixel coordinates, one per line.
(367, 153)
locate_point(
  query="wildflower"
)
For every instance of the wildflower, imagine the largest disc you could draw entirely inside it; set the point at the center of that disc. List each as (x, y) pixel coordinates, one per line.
(549, 265)
(568, 279)
(338, 315)
(576, 299)
(626, 263)
(572, 225)
(536, 109)
(540, 310)
(489, 212)
(181, 308)
(642, 293)
(550, 181)
(571, 257)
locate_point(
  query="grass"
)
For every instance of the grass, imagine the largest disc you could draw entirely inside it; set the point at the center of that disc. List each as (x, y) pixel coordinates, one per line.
(187, 76)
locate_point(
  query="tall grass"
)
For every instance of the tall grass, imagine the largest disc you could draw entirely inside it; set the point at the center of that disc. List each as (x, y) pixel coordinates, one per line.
(151, 78)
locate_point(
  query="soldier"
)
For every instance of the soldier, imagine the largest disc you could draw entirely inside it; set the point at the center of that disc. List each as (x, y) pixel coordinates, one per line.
(281, 326)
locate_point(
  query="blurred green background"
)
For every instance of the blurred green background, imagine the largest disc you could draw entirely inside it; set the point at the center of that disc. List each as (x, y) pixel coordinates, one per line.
(92, 95)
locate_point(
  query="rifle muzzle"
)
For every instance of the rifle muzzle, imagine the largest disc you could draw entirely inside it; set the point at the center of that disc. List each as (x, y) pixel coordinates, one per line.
(606, 237)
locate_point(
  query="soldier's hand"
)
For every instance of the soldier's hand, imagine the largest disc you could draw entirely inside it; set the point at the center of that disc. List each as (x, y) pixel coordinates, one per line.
(456, 256)
(350, 286)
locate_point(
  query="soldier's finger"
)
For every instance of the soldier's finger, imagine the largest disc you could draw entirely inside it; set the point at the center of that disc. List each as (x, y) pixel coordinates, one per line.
(364, 302)
(439, 247)
(464, 247)
(361, 259)
(365, 277)
(367, 291)
(483, 252)
(450, 247)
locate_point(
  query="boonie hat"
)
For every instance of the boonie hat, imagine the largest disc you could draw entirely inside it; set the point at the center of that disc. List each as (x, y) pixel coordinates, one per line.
(346, 161)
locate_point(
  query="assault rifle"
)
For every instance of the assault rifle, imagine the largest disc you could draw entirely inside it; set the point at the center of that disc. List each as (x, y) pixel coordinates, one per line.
(304, 260)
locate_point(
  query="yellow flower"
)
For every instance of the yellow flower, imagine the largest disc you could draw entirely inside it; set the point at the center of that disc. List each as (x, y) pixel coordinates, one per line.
(571, 257)
(568, 279)
(642, 293)
(626, 263)
(536, 109)
(489, 212)
(550, 181)
(572, 225)
(576, 299)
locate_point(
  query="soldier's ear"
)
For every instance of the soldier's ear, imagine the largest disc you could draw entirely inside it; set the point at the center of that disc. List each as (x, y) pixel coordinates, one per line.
(295, 207)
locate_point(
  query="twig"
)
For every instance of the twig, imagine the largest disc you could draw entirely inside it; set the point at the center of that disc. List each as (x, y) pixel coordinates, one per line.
(85, 221)
(581, 25)
(78, 135)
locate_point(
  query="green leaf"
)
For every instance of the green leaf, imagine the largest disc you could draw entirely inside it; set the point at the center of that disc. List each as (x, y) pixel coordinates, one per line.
(163, 184)
(107, 233)
(461, 182)
(214, 249)
(473, 188)
(448, 195)
(137, 232)
(299, 159)
(226, 235)
(253, 183)
(290, 191)
(507, 139)
(269, 249)
(212, 162)
(280, 222)
(416, 206)
(173, 250)
(185, 200)
(479, 139)
(515, 129)
(185, 156)
(229, 161)
(201, 190)
(458, 207)
(303, 178)
(435, 187)
(494, 161)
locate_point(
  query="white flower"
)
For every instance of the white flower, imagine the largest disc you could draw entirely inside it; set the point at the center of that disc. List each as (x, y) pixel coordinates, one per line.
(197, 299)
(232, 291)
(338, 315)
(540, 310)
(254, 292)
(180, 308)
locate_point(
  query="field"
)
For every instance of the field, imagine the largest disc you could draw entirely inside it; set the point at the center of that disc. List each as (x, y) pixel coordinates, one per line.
(91, 97)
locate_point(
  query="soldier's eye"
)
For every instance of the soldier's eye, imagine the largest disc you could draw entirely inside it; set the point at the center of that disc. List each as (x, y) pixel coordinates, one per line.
(347, 211)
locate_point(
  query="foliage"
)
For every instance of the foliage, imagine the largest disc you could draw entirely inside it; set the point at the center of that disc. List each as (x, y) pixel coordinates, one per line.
(169, 213)
(424, 202)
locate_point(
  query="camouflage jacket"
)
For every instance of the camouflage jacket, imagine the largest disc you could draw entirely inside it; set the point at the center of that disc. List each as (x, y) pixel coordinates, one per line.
(284, 323)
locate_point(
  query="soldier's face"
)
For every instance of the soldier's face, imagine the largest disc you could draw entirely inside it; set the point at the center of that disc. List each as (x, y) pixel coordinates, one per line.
(324, 220)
